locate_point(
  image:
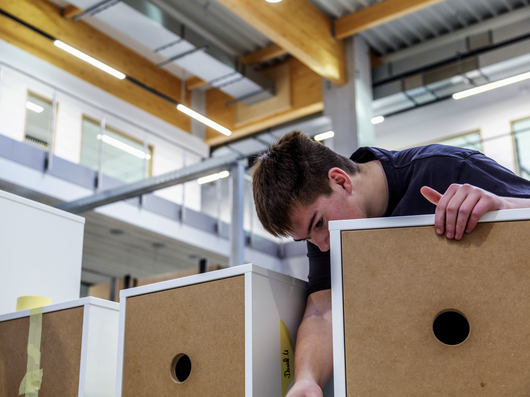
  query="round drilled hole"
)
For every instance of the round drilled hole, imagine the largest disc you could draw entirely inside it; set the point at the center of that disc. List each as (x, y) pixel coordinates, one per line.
(451, 327)
(180, 368)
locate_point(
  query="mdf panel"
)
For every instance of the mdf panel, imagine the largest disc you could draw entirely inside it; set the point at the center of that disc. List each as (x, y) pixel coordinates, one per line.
(236, 327)
(204, 321)
(60, 353)
(78, 349)
(396, 281)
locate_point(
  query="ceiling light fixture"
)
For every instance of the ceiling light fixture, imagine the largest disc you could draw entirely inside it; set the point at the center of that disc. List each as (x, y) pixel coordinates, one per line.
(273, 1)
(204, 120)
(123, 146)
(89, 59)
(32, 106)
(491, 86)
(378, 120)
(324, 135)
(213, 177)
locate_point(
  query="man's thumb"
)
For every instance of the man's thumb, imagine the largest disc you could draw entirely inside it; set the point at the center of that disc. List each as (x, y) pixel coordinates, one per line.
(430, 194)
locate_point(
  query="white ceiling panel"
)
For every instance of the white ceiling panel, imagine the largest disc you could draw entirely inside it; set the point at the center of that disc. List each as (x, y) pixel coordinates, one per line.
(132, 23)
(204, 66)
(178, 48)
(241, 88)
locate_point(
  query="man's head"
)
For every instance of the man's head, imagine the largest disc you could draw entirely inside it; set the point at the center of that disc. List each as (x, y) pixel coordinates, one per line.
(293, 173)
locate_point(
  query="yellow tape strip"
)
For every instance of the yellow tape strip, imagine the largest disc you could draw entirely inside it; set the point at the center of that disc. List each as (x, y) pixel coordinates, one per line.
(31, 383)
(287, 357)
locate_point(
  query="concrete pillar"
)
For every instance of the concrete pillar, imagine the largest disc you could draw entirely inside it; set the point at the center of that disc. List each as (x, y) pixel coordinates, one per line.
(350, 107)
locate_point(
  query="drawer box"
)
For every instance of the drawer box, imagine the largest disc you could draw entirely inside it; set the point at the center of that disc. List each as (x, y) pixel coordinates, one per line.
(417, 314)
(218, 333)
(78, 349)
(41, 250)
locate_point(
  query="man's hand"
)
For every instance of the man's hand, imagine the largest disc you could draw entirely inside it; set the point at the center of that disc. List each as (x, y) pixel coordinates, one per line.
(305, 388)
(460, 208)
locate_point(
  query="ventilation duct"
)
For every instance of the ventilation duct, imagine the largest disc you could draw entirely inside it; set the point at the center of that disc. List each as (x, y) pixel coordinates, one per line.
(473, 61)
(153, 28)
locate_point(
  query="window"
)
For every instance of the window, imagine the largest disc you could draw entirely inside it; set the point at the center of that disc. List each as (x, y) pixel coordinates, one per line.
(470, 140)
(123, 156)
(521, 135)
(38, 121)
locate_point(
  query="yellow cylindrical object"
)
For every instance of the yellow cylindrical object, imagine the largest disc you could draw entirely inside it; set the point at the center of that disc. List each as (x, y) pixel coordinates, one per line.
(31, 302)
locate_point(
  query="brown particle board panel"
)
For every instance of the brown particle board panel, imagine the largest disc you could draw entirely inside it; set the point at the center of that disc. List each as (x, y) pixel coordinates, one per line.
(204, 321)
(60, 353)
(396, 281)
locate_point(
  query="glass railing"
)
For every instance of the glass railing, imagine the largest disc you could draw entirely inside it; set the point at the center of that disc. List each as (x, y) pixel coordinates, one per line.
(119, 150)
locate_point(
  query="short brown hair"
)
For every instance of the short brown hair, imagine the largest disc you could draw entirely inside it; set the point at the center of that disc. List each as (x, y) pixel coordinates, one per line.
(293, 171)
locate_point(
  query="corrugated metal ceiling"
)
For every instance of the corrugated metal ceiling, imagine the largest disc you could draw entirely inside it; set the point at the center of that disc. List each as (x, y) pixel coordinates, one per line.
(435, 21)
(214, 22)
(441, 19)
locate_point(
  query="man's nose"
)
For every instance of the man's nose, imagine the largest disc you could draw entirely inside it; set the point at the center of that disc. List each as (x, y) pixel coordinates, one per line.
(322, 242)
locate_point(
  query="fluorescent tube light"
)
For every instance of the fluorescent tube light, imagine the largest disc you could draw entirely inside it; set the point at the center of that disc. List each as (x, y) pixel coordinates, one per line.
(213, 177)
(32, 106)
(204, 120)
(378, 119)
(273, 1)
(324, 135)
(89, 59)
(491, 86)
(123, 146)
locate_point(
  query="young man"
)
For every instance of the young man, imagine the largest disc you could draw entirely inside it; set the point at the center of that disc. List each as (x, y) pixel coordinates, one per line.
(300, 185)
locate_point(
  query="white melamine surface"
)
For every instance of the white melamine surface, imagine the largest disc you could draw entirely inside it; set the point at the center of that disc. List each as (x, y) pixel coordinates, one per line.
(101, 351)
(40, 252)
(422, 220)
(271, 301)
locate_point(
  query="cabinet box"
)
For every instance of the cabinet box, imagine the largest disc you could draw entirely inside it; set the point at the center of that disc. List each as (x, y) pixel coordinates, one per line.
(40, 252)
(78, 350)
(415, 314)
(222, 333)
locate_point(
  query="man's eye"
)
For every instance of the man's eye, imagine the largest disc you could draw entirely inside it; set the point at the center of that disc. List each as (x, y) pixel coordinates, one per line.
(320, 222)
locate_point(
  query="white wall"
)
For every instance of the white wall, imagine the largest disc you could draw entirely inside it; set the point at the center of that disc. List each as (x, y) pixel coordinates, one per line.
(172, 147)
(490, 113)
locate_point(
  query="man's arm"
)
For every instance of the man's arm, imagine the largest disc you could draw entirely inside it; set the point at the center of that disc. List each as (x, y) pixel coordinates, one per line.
(314, 348)
(460, 208)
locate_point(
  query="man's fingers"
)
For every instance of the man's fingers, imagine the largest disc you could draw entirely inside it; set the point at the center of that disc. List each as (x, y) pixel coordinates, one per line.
(485, 203)
(430, 194)
(465, 214)
(460, 208)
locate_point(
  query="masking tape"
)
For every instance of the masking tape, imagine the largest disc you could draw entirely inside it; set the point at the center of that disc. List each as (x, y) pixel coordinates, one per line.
(31, 382)
(287, 357)
(30, 302)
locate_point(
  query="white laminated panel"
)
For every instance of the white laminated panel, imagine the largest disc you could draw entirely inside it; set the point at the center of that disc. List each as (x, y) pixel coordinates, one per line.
(40, 251)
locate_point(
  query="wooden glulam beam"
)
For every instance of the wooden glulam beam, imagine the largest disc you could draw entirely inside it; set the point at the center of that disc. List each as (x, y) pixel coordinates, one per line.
(70, 11)
(306, 99)
(263, 55)
(195, 82)
(299, 28)
(378, 14)
(47, 17)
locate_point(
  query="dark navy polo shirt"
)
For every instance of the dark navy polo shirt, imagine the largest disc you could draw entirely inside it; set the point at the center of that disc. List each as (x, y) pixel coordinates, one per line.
(407, 171)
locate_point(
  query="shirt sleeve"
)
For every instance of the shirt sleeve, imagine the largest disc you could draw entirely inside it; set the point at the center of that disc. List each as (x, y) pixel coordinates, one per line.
(319, 269)
(481, 171)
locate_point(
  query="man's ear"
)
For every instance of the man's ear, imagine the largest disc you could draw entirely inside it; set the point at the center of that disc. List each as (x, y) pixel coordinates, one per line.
(340, 178)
